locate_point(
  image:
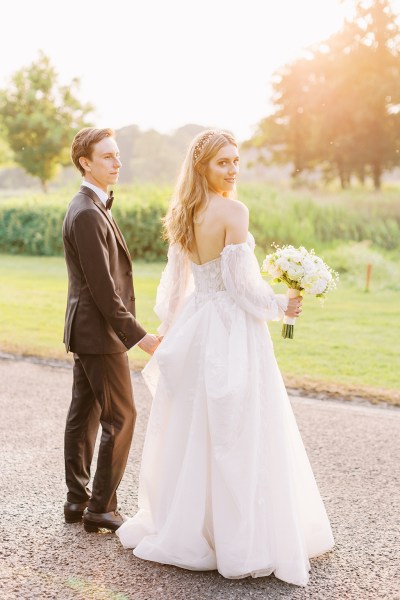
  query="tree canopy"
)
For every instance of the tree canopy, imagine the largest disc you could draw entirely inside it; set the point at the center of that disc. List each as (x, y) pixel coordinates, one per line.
(6, 155)
(40, 118)
(338, 108)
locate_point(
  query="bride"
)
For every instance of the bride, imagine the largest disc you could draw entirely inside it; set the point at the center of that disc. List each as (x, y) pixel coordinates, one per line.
(225, 482)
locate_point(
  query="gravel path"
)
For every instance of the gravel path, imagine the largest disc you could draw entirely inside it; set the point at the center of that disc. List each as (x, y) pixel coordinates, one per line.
(354, 450)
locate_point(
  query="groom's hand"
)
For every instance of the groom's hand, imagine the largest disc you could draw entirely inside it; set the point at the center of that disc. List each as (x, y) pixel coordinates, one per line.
(149, 343)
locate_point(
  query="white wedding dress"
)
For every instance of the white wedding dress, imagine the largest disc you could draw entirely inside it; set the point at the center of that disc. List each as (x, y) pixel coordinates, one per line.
(225, 482)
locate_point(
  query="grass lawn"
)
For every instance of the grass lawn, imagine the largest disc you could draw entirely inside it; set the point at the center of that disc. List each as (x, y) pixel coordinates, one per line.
(350, 345)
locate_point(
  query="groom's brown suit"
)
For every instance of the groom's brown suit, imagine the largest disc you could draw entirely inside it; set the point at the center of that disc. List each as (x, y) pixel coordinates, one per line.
(100, 326)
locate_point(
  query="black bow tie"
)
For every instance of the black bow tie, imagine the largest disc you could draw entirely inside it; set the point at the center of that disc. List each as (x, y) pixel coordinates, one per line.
(110, 200)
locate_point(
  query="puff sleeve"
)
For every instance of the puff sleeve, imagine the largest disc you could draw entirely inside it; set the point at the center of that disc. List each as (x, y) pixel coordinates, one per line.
(244, 283)
(175, 286)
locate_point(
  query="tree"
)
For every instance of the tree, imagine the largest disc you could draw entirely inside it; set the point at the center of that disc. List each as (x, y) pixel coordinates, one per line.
(339, 107)
(288, 133)
(379, 115)
(40, 118)
(6, 155)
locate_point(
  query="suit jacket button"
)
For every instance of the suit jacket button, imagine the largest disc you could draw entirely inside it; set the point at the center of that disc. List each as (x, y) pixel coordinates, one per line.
(129, 273)
(132, 298)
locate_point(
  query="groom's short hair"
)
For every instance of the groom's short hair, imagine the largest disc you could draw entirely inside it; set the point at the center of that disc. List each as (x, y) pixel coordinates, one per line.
(84, 141)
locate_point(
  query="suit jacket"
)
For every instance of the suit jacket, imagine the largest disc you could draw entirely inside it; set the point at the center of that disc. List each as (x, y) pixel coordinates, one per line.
(100, 315)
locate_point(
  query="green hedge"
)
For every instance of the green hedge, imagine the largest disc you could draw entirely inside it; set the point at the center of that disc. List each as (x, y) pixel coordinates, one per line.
(34, 226)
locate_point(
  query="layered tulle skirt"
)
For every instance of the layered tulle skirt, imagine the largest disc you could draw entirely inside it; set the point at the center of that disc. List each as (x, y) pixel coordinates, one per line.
(225, 482)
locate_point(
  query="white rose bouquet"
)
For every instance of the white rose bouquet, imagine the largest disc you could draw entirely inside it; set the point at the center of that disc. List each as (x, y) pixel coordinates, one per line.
(303, 272)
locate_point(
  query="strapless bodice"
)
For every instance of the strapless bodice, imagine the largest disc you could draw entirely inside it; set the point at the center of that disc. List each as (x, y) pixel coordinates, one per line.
(207, 278)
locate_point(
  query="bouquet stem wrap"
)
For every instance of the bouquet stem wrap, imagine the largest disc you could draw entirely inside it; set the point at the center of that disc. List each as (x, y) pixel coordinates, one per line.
(288, 322)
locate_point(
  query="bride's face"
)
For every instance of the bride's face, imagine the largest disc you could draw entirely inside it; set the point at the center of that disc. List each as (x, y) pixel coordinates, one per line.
(222, 170)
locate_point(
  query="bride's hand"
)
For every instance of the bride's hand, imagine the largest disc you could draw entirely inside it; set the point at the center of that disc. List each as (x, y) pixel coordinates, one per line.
(294, 307)
(149, 343)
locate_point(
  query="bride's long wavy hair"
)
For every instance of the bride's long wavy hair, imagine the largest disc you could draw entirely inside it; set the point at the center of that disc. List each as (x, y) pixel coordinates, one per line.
(191, 191)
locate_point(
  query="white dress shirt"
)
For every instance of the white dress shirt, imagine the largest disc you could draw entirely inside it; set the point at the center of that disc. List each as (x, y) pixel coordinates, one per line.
(101, 194)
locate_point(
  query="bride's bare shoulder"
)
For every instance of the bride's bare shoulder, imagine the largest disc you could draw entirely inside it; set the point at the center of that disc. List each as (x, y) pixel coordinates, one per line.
(226, 210)
(236, 222)
(235, 204)
(236, 210)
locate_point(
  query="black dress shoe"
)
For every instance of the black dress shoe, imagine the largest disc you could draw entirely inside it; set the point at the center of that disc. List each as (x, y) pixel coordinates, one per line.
(73, 511)
(92, 521)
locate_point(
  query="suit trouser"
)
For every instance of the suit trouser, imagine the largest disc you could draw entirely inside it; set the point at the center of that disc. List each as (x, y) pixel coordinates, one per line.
(101, 394)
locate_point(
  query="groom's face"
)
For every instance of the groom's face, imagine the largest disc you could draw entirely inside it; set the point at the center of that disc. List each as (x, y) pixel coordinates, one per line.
(102, 169)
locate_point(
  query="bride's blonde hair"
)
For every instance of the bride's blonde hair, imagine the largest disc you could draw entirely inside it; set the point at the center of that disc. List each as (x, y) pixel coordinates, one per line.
(191, 191)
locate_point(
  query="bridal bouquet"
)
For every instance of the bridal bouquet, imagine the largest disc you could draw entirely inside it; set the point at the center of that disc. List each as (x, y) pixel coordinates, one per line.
(303, 272)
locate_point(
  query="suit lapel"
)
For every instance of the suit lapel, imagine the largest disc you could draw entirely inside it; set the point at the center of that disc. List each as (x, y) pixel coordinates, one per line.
(88, 192)
(116, 228)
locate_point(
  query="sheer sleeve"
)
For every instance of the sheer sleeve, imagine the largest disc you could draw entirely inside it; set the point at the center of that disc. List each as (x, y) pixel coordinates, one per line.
(175, 285)
(244, 283)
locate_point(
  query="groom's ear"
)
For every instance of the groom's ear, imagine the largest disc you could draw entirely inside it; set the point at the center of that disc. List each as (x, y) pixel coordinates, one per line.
(84, 162)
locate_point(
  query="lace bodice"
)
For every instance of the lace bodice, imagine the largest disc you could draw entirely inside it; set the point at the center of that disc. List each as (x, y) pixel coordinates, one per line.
(207, 278)
(235, 271)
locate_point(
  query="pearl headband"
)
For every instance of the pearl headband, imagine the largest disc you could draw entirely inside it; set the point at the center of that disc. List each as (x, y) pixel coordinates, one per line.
(203, 141)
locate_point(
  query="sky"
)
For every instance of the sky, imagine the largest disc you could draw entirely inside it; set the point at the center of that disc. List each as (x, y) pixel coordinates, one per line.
(164, 63)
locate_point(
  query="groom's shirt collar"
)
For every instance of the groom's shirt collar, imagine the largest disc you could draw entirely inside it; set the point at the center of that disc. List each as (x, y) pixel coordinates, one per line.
(102, 195)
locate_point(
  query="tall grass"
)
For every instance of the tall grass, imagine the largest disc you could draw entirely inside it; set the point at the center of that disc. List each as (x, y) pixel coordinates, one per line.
(298, 218)
(32, 224)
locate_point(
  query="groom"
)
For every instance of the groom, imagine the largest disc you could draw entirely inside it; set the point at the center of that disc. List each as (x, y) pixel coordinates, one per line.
(100, 326)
